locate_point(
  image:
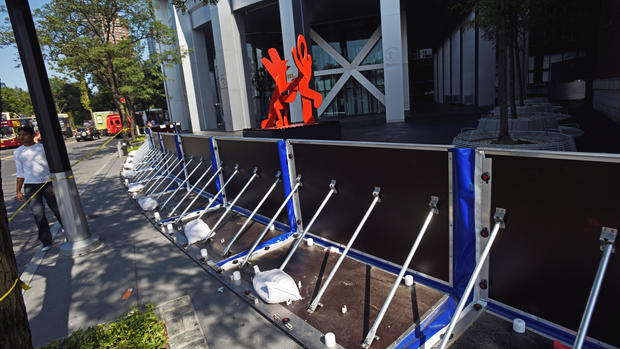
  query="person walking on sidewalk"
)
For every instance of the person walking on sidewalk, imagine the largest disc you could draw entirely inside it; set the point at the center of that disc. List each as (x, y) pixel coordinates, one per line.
(32, 173)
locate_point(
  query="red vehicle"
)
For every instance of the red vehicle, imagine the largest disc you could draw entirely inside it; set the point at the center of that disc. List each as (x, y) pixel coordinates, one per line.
(8, 133)
(114, 123)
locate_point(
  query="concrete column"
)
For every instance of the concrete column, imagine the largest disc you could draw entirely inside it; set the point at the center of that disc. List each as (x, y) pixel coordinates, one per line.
(392, 60)
(229, 38)
(440, 74)
(294, 21)
(173, 83)
(447, 98)
(455, 50)
(204, 85)
(486, 71)
(469, 68)
(403, 30)
(435, 81)
(184, 36)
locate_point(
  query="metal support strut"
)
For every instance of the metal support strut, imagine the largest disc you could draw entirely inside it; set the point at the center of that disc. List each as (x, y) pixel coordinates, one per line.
(232, 204)
(317, 299)
(273, 219)
(164, 175)
(148, 165)
(182, 170)
(156, 169)
(499, 223)
(373, 330)
(212, 200)
(608, 242)
(197, 195)
(332, 191)
(249, 219)
(185, 181)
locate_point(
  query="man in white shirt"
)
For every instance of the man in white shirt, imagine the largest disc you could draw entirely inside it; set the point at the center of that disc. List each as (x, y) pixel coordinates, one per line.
(32, 173)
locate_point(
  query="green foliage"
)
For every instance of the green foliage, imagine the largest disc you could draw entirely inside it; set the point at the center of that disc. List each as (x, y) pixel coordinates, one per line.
(182, 4)
(139, 328)
(68, 98)
(16, 100)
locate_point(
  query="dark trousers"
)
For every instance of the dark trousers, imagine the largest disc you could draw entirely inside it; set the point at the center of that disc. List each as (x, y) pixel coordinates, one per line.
(38, 210)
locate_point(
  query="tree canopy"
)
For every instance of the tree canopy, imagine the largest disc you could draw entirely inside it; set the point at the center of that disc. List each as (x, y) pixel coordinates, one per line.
(16, 100)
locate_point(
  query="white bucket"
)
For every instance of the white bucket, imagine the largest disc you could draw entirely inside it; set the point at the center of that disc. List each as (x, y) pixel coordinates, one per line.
(408, 280)
(236, 275)
(330, 340)
(309, 242)
(518, 325)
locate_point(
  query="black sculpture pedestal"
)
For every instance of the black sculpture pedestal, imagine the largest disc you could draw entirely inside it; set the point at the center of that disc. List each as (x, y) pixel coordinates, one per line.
(321, 130)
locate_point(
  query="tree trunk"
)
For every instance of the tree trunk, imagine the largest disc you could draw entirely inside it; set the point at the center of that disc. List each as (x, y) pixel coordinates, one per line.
(15, 331)
(132, 116)
(519, 68)
(117, 99)
(511, 82)
(504, 136)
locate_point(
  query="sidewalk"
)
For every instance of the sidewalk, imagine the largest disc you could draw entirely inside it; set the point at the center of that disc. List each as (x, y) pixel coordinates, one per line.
(68, 294)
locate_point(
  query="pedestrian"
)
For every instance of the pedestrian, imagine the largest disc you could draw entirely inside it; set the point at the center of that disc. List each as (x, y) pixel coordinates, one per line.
(32, 173)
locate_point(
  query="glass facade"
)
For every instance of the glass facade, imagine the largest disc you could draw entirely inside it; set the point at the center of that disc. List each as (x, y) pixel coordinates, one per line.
(348, 39)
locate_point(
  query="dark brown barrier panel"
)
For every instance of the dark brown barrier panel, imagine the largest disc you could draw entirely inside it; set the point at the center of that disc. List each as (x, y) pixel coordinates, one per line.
(545, 260)
(199, 147)
(168, 140)
(407, 175)
(248, 154)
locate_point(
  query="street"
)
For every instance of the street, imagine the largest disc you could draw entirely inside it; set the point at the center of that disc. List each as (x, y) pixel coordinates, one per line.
(23, 229)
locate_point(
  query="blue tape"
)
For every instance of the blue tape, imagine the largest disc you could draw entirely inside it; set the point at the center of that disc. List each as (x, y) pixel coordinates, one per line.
(464, 233)
(148, 130)
(539, 326)
(437, 320)
(287, 181)
(177, 143)
(216, 166)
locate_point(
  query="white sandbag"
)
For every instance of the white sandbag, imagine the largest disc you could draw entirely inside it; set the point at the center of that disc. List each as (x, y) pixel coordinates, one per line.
(148, 203)
(196, 230)
(131, 154)
(128, 173)
(275, 286)
(135, 187)
(128, 166)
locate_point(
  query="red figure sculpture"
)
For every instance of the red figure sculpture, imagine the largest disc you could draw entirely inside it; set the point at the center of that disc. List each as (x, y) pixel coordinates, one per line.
(286, 92)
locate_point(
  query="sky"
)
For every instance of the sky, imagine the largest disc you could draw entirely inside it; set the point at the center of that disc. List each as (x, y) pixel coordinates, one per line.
(11, 74)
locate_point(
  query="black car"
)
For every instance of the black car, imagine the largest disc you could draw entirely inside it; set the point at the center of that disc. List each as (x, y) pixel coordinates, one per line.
(86, 133)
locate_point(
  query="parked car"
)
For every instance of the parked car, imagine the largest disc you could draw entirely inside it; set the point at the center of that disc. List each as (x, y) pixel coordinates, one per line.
(86, 133)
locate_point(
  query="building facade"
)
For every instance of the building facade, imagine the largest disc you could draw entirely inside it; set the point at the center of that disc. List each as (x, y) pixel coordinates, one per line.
(369, 57)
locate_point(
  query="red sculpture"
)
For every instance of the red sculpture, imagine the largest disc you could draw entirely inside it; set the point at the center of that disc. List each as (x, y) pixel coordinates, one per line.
(286, 92)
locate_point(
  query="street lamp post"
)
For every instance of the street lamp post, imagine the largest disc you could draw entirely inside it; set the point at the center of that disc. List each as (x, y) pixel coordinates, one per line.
(71, 211)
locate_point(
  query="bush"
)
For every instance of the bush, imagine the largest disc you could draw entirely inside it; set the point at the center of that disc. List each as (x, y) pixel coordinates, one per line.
(138, 328)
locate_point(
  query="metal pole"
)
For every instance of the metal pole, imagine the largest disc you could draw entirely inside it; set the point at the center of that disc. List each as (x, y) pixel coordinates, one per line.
(607, 240)
(158, 170)
(183, 170)
(254, 175)
(212, 200)
(373, 330)
(70, 207)
(249, 219)
(273, 219)
(332, 190)
(150, 166)
(147, 157)
(499, 223)
(197, 196)
(316, 300)
(183, 183)
(165, 174)
(183, 163)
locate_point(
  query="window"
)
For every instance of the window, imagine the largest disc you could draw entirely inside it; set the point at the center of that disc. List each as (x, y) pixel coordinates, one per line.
(117, 122)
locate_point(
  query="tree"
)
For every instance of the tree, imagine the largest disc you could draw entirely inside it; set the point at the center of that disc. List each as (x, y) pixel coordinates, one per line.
(82, 38)
(13, 317)
(68, 98)
(16, 100)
